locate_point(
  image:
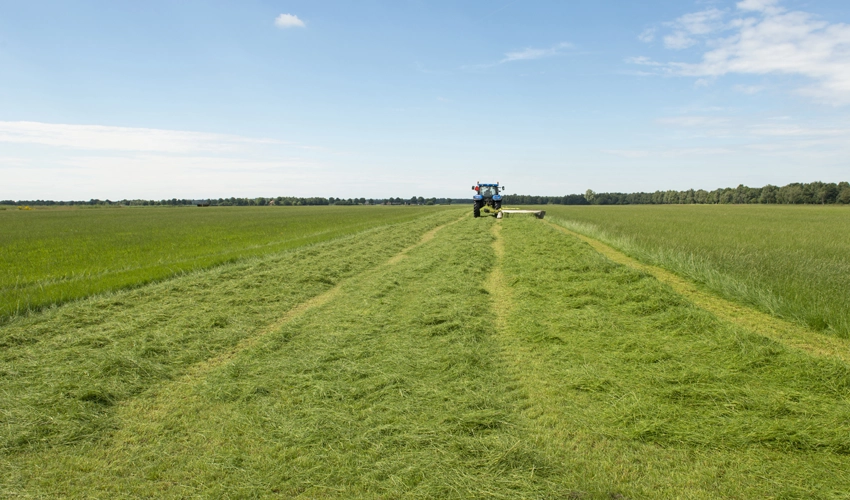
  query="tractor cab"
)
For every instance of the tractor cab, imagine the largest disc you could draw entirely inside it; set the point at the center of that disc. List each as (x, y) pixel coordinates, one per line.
(488, 191)
(486, 195)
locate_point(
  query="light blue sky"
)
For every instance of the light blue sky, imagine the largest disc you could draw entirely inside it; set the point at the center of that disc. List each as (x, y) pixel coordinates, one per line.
(162, 99)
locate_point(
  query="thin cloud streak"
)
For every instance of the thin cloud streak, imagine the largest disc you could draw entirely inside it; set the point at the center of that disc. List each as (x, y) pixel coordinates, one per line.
(531, 53)
(667, 153)
(155, 176)
(782, 129)
(108, 138)
(527, 54)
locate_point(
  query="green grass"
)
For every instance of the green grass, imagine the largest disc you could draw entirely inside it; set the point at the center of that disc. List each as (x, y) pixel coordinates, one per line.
(65, 369)
(641, 393)
(789, 261)
(500, 359)
(50, 256)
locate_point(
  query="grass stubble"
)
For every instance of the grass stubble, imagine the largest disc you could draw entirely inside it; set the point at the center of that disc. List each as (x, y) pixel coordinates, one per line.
(489, 359)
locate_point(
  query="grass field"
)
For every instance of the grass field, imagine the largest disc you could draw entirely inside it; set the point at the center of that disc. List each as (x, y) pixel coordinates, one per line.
(440, 357)
(50, 256)
(790, 261)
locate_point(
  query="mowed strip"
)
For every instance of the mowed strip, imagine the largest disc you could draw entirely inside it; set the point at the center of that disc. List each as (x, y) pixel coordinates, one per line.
(635, 391)
(63, 371)
(790, 334)
(789, 261)
(497, 359)
(198, 370)
(55, 256)
(390, 388)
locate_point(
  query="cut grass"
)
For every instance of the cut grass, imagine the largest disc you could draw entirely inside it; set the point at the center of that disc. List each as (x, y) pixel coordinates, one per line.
(64, 371)
(785, 332)
(55, 255)
(788, 261)
(498, 359)
(389, 389)
(639, 392)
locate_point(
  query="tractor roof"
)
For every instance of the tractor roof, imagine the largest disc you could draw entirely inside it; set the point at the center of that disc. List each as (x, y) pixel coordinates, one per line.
(483, 184)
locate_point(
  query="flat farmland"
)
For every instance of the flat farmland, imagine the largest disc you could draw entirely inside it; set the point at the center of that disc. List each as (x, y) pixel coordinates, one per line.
(432, 356)
(50, 256)
(790, 261)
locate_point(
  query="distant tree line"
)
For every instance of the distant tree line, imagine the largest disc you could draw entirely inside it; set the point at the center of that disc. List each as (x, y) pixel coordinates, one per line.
(522, 199)
(241, 202)
(820, 193)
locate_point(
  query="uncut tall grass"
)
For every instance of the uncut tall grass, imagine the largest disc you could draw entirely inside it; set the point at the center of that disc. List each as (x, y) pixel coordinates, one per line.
(51, 256)
(790, 261)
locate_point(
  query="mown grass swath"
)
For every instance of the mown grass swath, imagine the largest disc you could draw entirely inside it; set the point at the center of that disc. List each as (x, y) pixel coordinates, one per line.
(500, 359)
(52, 256)
(392, 387)
(789, 261)
(636, 392)
(64, 370)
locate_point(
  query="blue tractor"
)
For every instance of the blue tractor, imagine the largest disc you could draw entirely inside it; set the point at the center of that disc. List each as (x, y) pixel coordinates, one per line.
(486, 195)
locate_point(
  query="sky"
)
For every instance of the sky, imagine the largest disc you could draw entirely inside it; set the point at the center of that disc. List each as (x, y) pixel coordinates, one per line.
(190, 99)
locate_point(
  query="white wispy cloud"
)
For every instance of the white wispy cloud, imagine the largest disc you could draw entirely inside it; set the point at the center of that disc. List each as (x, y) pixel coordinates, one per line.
(748, 89)
(527, 54)
(678, 40)
(108, 138)
(686, 27)
(763, 38)
(701, 23)
(667, 152)
(783, 129)
(288, 21)
(798, 131)
(769, 6)
(66, 161)
(693, 121)
(647, 35)
(534, 53)
(155, 176)
(643, 61)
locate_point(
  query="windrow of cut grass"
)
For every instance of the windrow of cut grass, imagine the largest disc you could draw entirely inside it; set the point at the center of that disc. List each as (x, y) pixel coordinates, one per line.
(63, 372)
(637, 392)
(52, 256)
(496, 359)
(390, 389)
(789, 261)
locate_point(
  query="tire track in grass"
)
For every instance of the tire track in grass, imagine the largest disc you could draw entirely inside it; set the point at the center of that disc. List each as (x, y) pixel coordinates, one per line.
(636, 392)
(66, 371)
(199, 369)
(390, 390)
(787, 333)
(425, 239)
(523, 363)
(195, 373)
(527, 365)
